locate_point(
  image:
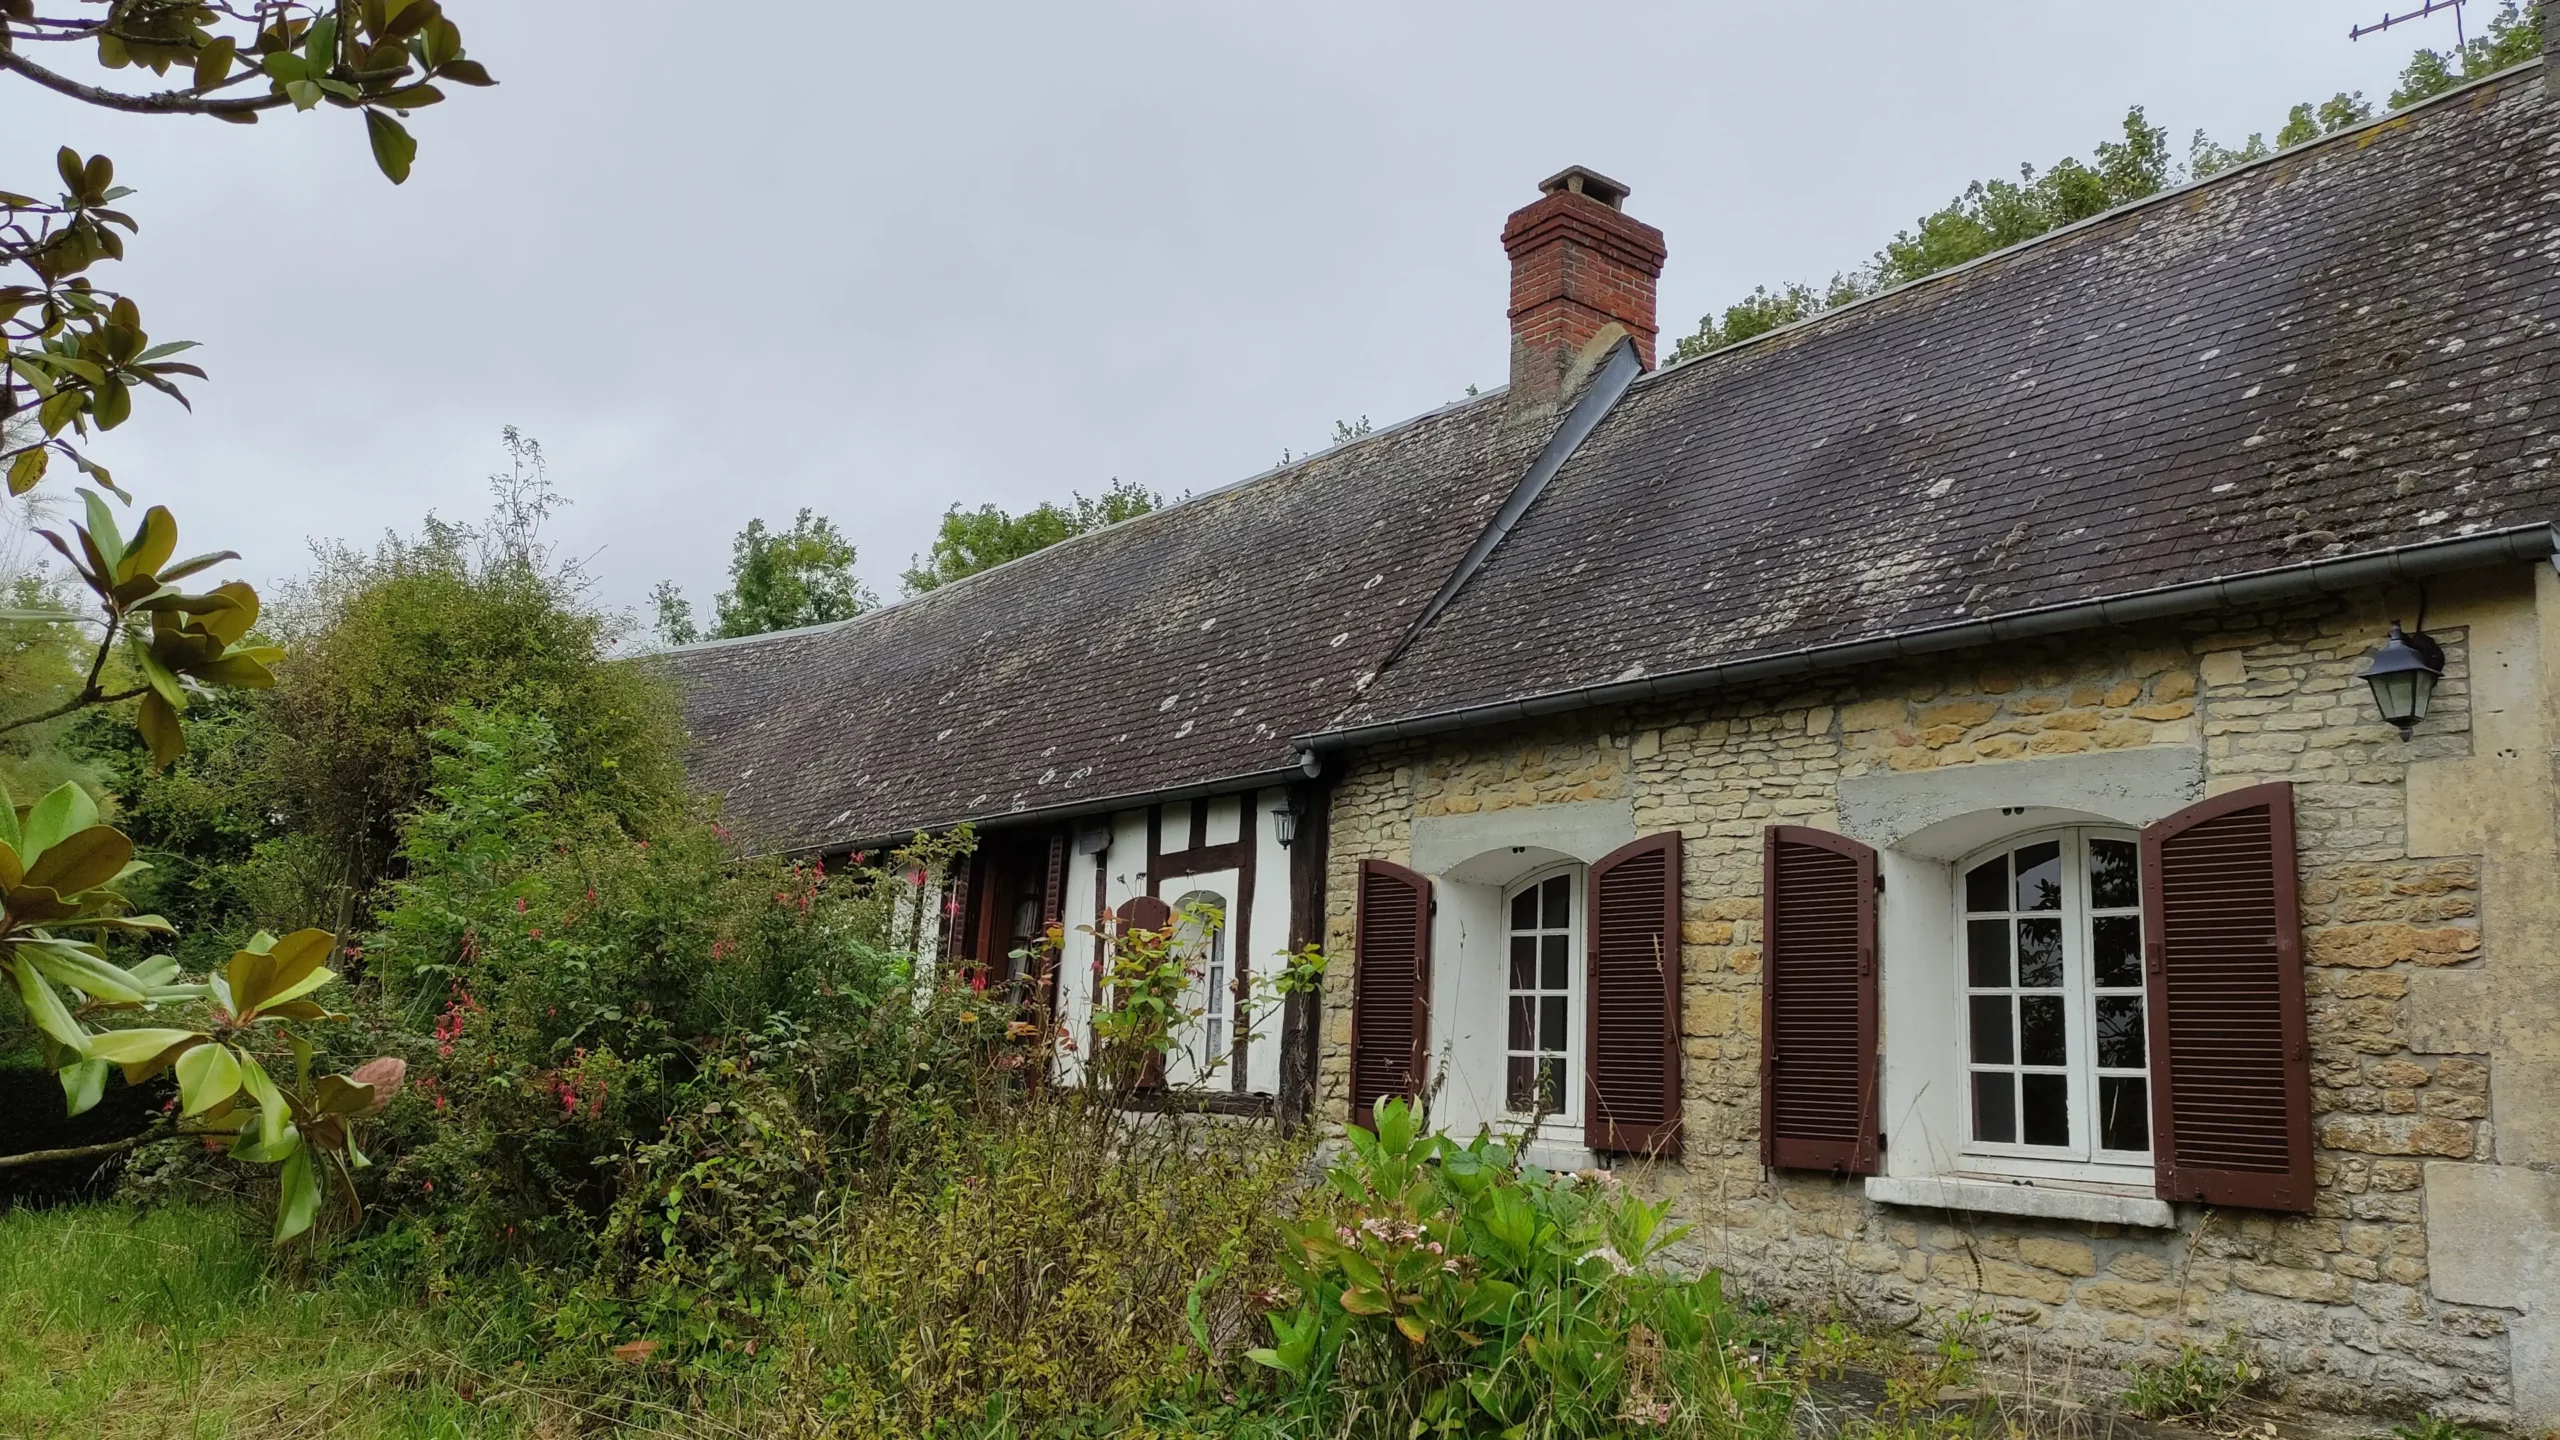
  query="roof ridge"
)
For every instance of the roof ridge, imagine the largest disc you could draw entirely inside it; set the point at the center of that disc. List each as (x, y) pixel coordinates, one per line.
(2157, 197)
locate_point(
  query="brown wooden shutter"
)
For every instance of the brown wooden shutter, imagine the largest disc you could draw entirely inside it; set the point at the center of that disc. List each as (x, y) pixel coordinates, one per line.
(1390, 986)
(1146, 912)
(958, 910)
(1632, 1080)
(2230, 1052)
(1818, 1013)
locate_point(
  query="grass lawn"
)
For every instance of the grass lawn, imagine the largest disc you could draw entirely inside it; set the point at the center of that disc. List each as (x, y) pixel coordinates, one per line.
(138, 1326)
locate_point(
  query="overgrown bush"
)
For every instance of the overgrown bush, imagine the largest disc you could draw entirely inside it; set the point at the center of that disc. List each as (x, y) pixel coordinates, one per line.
(1460, 1291)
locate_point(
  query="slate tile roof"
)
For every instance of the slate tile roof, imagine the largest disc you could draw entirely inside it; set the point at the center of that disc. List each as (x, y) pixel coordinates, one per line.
(2348, 347)
(1183, 647)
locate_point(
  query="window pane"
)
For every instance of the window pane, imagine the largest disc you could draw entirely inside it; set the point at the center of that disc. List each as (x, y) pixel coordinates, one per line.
(1995, 1115)
(2124, 1113)
(2040, 876)
(2046, 1101)
(1991, 1030)
(1551, 1023)
(1524, 962)
(2040, 1030)
(1551, 1073)
(2120, 1032)
(1986, 946)
(1559, 902)
(1524, 1023)
(1217, 1036)
(1555, 964)
(2112, 882)
(1524, 909)
(1986, 886)
(1517, 1091)
(2040, 954)
(2118, 961)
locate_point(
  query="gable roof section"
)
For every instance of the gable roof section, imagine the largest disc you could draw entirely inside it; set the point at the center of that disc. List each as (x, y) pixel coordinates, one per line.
(1180, 649)
(2346, 348)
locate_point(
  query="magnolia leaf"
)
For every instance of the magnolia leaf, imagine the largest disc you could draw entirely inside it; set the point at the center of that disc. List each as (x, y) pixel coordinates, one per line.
(91, 975)
(236, 672)
(83, 1084)
(65, 811)
(12, 874)
(194, 563)
(9, 820)
(45, 1008)
(1413, 1329)
(128, 924)
(42, 616)
(153, 543)
(159, 969)
(213, 62)
(164, 681)
(297, 1010)
(83, 860)
(394, 148)
(207, 1076)
(253, 1147)
(339, 1095)
(35, 905)
(142, 1053)
(161, 730)
(285, 969)
(101, 528)
(28, 468)
(272, 1113)
(465, 72)
(232, 625)
(298, 1202)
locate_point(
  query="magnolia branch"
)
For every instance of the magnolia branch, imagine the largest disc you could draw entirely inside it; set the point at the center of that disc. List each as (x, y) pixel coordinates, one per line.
(167, 102)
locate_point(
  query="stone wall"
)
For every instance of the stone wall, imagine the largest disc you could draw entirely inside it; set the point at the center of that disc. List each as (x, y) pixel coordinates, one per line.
(2337, 1302)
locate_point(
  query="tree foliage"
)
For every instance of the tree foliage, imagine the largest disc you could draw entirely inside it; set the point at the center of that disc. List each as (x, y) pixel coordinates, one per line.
(778, 580)
(1993, 214)
(981, 539)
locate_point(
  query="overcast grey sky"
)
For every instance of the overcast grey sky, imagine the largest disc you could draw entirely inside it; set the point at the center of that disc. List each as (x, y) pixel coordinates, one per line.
(725, 261)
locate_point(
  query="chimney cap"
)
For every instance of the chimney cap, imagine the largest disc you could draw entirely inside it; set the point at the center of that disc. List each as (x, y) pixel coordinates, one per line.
(1582, 180)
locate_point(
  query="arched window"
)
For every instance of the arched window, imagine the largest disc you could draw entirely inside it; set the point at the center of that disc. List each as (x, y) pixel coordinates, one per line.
(1200, 938)
(2050, 930)
(1543, 1044)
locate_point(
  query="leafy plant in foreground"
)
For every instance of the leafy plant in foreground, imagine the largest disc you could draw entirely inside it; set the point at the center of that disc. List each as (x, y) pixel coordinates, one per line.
(2198, 1385)
(1459, 1291)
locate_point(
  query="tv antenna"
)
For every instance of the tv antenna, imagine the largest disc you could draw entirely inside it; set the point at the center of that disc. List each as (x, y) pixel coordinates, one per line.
(2461, 42)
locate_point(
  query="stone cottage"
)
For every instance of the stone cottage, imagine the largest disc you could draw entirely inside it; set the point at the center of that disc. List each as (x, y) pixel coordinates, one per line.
(1907, 785)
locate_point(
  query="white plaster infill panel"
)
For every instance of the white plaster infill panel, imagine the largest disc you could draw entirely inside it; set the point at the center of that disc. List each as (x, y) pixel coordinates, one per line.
(2129, 787)
(1583, 830)
(2044, 1200)
(2492, 1234)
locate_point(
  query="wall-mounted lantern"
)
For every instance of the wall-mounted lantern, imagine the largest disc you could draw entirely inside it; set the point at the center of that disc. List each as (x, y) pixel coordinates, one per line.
(1284, 822)
(2403, 674)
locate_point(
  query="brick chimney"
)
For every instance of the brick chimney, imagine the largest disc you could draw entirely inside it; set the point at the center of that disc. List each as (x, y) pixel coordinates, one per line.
(1582, 276)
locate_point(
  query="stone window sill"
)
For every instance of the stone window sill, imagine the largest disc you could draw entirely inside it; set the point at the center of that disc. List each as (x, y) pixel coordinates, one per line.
(2043, 1199)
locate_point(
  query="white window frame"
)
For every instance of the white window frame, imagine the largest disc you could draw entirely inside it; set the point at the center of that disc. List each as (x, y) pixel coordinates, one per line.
(1208, 1049)
(1577, 1020)
(2083, 1159)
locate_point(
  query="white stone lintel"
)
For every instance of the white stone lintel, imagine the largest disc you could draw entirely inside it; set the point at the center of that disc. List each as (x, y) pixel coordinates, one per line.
(2043, 1199)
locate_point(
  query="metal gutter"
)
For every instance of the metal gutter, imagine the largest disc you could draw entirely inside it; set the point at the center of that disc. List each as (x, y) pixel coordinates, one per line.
(1616, 374)
(2257, 587)
(1073, 809)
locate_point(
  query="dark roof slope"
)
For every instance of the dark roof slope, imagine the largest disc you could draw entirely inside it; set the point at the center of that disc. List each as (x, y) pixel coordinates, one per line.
(2344, 348)
(1183, 647)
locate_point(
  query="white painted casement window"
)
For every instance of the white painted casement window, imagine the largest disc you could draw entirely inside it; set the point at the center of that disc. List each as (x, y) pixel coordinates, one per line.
(2048, 940)
(1542, 1052)
(1200, 939)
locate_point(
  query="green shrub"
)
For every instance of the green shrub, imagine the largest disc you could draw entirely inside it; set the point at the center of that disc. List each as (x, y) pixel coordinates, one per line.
(1458, 1291)
(2198, 1385)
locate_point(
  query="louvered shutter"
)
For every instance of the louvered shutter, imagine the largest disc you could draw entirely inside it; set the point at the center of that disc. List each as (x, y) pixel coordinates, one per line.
(2230, 1053)
(1390, 986)
(1632, 1083)
(1146, 912)
(1818, 1014)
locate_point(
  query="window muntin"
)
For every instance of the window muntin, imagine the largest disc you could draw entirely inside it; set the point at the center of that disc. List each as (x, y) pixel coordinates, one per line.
(2050, 936)
(1543, 988)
